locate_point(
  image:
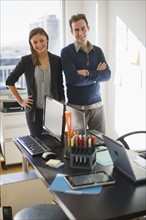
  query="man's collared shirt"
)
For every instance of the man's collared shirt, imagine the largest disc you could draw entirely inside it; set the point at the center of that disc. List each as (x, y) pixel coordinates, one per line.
(78, 46)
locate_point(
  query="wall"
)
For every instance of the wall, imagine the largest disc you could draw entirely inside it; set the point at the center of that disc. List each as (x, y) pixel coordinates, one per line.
(75, 7)
(125, 104)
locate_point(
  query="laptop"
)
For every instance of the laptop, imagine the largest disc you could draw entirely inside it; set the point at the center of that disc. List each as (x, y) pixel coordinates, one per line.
(130, 168)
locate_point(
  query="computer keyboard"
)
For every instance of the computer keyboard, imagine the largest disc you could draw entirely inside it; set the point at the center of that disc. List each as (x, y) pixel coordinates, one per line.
(51, 141)
(33, 145)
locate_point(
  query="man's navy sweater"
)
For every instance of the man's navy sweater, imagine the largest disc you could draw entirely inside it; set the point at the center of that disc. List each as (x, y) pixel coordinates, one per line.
(83, 90)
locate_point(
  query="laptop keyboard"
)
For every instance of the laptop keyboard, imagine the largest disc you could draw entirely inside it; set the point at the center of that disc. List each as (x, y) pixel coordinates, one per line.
(139, 172)
(33, 145)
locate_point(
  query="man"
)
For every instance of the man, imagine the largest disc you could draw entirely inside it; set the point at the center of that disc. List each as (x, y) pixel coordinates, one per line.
(85, 67)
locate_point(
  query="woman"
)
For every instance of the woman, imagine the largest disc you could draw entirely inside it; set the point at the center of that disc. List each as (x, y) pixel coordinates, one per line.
(43, 73)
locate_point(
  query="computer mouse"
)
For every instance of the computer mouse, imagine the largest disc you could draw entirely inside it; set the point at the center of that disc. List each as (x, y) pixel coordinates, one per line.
(48, 155)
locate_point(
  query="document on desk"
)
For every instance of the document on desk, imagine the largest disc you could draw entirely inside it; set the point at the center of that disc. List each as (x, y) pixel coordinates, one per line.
(103, 158)
(59, 184)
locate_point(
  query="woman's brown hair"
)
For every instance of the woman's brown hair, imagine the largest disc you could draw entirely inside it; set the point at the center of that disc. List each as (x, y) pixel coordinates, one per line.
(33, 52)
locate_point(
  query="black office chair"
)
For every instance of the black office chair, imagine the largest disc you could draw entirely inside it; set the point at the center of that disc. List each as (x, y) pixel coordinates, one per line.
(42, 212)
(137, 135)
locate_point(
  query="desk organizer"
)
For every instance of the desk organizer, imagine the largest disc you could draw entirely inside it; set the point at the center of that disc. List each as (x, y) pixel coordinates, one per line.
(83, 157)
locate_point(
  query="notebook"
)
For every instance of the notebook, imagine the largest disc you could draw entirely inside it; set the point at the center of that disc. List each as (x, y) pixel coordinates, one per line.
(130, 168)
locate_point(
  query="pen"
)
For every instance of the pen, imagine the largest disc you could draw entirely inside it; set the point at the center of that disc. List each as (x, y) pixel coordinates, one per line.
(89, 141)
(73, 192)
(76, 140)
(85, 140)
(72, 141)
(93, 140)
(80, 141)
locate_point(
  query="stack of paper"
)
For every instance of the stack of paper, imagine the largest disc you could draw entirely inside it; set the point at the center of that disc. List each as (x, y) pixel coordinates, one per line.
(54, 163)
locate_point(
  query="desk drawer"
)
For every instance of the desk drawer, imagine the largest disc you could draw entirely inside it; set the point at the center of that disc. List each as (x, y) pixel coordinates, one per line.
(14, 119)
(12, 153)
(15, 132)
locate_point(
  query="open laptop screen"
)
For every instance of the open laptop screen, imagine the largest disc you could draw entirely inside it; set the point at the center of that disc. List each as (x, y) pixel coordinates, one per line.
(53, 118)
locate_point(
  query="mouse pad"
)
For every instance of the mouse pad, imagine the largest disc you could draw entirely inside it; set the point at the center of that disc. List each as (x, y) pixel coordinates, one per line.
(59, 184)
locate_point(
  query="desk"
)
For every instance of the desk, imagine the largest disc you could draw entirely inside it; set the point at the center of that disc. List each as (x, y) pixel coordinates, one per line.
(124, 200)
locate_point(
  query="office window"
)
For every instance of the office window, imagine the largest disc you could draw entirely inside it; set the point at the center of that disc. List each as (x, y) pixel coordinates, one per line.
(17, 19)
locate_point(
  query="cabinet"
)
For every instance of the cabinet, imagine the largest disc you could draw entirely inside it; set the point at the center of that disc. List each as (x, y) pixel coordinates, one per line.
(12, 124)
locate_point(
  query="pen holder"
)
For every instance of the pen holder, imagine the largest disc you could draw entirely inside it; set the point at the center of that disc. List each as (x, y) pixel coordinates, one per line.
(83, 158)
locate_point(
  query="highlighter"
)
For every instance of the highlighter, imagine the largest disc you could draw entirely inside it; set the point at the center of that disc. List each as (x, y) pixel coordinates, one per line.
(68, 119)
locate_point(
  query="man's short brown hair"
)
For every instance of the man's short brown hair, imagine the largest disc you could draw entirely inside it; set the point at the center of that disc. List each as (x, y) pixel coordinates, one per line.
(77, 17)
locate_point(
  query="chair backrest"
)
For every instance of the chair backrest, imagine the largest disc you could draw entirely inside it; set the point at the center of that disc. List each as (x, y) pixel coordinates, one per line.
(135, 140)
(42, 212)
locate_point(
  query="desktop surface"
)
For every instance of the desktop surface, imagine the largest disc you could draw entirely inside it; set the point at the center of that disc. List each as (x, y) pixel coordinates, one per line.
(123, 200)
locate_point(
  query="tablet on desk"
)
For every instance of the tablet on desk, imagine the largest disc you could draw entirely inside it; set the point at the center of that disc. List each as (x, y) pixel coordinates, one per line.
(82, 180)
